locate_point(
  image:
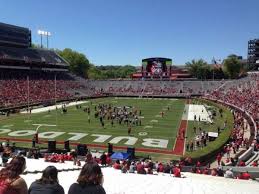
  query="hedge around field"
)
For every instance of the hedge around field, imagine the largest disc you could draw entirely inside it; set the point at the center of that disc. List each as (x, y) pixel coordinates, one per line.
(209, 152)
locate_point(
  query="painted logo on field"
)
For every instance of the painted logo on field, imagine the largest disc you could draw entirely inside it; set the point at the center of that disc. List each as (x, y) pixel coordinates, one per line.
(98, 138)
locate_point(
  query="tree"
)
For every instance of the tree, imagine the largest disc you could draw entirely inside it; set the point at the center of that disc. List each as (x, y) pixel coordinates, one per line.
(111, 71)
(232, 66)
(94, 73)
(199, 69)
(78, 63)
(218, 73)
(35, 45)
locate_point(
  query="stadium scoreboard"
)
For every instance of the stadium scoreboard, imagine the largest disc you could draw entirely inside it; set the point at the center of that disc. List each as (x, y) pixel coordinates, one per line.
(156, 67)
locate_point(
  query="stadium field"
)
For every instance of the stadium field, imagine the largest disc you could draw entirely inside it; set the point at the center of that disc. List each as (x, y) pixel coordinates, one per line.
(155, 132)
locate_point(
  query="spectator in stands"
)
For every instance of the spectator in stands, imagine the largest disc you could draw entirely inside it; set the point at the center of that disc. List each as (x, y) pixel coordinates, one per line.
(220, 171)
(205, 171)
(167, 168)
(103, 158)
(229, 173)
(124, 169)
(1, 147)
(255, 163)
(132, 168)
(73, 153)
(48, 183)
(214, 172)
(244, 176)
(219, 157)
(160, 167)
(89, 157)
(117, 165)
(90, 180)
(108, 160)
(10, 180)
(140, 168)
(241, 163)
(177, 171)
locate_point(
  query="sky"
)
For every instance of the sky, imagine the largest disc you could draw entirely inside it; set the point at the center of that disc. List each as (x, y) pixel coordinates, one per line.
(120, 32)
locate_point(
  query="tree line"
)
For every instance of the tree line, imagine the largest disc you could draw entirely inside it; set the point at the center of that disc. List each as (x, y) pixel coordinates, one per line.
(230, 68)
(200, 69)
(80, 65)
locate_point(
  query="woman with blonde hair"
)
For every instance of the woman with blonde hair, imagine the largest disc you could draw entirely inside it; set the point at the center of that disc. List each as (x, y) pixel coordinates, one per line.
(10, 180)
(90, 180)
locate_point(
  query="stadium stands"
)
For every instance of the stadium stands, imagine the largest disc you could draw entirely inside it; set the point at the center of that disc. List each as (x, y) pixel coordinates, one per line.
(243, 93)
(152, 88)
(19, 87)
(117, 182)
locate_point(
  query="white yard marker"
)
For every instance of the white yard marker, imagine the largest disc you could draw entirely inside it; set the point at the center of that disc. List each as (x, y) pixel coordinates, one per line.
(154, 121)
(45, 125)
(7, 126)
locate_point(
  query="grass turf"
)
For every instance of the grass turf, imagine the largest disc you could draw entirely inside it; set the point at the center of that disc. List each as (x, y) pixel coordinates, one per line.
(76, 121)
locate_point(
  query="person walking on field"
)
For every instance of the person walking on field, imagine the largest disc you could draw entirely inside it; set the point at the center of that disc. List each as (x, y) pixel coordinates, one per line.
(129, 129)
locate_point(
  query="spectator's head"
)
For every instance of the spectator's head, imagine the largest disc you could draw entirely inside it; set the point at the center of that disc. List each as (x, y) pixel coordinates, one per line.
(90, 174)
(14, 168)
(49, 175)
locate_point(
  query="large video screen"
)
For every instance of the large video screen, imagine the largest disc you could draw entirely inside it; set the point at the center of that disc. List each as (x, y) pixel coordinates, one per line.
(156, 66)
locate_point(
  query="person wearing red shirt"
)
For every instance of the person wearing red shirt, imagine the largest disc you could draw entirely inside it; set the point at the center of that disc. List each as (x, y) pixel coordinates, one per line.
(177, 172)
(108, 160)
(160, 167)
(241, 163)
(117, 165)
(140, 168)
(244, 176)
(255, 163)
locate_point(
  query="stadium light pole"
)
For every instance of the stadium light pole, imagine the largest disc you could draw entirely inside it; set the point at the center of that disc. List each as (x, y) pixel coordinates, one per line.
(40, 32)
(47, 34)
(44, 33)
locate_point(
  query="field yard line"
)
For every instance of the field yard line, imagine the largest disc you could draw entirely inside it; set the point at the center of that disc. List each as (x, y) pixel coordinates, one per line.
(47, 125)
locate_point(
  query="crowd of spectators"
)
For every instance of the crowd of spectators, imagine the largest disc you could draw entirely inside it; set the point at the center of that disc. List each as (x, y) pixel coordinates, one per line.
(90, 180)
(22, 87)
(153, 88)
(243, 93)
(147, 166)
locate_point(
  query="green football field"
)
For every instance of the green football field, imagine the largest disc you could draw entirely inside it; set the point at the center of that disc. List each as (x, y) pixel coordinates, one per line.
(75, 122)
